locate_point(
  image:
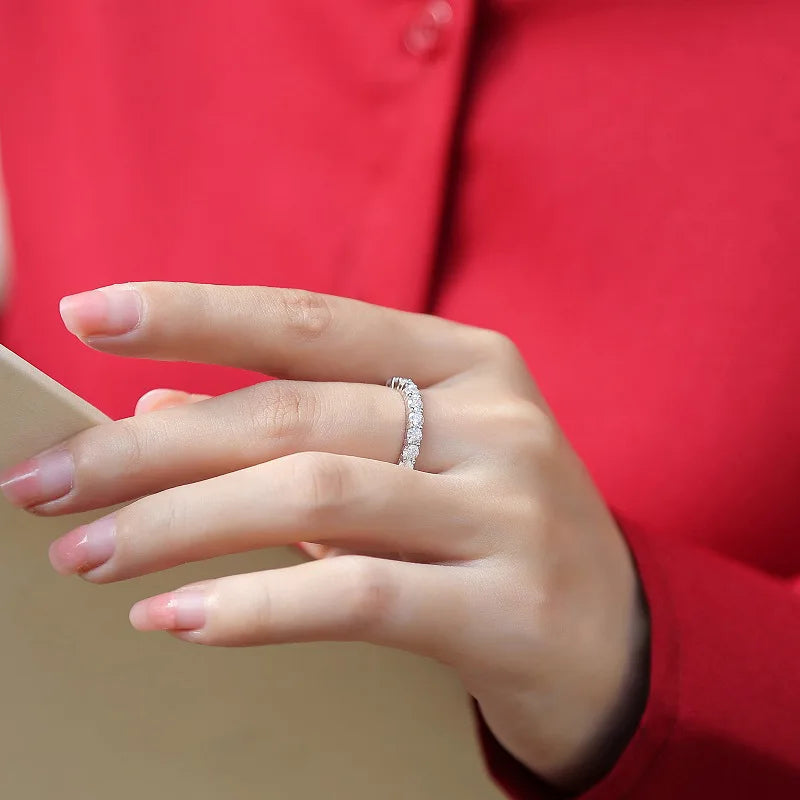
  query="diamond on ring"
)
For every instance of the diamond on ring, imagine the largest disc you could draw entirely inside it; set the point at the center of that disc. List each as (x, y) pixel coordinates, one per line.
(414, 420)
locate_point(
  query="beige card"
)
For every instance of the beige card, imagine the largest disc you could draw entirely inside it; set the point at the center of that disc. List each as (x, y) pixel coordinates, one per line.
(93, 709)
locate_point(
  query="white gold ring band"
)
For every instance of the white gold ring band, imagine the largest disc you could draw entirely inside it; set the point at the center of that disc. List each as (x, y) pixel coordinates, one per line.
(414, 420)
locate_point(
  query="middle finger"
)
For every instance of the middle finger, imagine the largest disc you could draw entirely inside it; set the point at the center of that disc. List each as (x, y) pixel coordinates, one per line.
(360, 504)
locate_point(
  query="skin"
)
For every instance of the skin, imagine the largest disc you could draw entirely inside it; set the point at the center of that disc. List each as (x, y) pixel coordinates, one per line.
(497, 556)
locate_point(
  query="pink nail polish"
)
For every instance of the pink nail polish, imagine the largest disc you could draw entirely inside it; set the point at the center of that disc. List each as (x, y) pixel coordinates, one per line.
(38, 480)
(85, 548)
(110, 311)
(183, 610)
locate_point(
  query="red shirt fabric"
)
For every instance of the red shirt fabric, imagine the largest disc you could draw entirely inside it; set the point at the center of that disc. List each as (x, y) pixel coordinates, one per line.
(613, 184)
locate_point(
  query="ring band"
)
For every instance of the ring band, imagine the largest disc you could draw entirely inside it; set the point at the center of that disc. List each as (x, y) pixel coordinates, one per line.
(414, 420)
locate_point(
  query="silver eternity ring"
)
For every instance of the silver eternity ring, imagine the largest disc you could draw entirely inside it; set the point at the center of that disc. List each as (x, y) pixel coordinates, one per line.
(414, 420)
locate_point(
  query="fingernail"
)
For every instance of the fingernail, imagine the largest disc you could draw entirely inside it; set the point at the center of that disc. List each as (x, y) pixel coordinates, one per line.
(182, 610)
(110, 311)
(159, 399)
(38, 480)
(84, 548)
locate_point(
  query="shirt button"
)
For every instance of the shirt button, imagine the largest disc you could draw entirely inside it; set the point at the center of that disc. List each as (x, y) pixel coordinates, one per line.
(424, 35)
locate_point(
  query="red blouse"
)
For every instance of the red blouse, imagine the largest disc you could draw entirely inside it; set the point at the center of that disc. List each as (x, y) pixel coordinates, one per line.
(615, 184)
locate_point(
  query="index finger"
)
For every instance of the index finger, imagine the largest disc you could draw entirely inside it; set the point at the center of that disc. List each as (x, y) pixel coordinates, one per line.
(286, 333)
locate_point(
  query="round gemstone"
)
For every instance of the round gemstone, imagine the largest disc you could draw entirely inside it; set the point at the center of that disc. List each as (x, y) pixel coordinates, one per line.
(410, 452)
(414, 435)
(415, 419)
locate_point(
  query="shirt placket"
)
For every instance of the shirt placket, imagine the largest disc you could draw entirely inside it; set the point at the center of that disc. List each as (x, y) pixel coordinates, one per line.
(419, 88)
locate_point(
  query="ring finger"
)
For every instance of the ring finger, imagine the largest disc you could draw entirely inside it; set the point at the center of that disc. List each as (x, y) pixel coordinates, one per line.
(121, 461)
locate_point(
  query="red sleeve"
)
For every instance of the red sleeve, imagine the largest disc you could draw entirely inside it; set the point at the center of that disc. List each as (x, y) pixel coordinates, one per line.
(722, 718)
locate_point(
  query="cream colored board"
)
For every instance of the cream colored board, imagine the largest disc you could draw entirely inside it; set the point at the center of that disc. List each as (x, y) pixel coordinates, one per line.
(93, 709)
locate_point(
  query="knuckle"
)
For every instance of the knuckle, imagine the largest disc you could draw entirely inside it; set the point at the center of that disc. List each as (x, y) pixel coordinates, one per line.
(498, 346)
(520, 419)
(308, 315)
(370, 595)
(170, 519)
(131, 454)
(526, 432)
(323, 483)
(544, 437)
(283, 409)
(262, 610)
(534, 430)
(515, 414)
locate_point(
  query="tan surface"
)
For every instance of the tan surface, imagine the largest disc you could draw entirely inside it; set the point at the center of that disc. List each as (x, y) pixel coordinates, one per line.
(92, 709)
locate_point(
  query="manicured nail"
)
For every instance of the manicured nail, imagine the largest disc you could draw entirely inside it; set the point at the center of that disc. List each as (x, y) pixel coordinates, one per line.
(182, 610)
(38, 480)
(158, 399)
(84, 548)
(110, 311)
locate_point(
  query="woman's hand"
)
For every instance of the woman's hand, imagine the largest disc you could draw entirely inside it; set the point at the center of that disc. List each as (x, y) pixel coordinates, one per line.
(512, 571)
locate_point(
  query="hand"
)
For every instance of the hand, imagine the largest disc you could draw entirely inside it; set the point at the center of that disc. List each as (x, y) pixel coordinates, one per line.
(513, 570)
